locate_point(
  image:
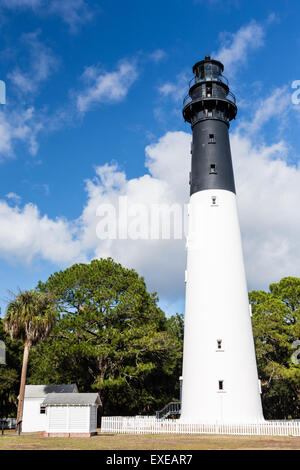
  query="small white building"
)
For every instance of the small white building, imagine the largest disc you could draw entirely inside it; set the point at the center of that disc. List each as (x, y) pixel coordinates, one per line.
(34, 417)
(71, 414)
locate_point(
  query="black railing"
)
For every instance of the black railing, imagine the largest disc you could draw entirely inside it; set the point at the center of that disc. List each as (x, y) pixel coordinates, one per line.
(173, 408)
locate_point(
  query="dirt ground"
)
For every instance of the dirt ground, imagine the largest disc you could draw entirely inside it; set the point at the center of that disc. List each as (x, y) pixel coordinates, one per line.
(148, 442)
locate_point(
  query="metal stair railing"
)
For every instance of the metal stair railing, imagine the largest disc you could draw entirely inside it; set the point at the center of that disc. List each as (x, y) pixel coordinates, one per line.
(173, 408)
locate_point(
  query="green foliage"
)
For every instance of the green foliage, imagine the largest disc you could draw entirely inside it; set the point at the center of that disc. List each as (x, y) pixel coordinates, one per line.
(276, 326)
(30, 316)
(111, 337)
(9, 374)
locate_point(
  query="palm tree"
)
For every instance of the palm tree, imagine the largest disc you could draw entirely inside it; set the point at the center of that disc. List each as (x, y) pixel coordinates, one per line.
(30, 316)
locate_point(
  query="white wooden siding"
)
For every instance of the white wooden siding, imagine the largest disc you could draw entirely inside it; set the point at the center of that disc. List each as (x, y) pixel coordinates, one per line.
(71, 419)
(33, 420)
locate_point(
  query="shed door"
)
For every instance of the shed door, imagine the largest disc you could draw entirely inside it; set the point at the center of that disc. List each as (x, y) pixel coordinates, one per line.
(79, 418)
(58, 419)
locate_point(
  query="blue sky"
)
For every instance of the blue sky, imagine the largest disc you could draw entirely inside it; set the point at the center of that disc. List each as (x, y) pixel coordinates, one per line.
(94, 97)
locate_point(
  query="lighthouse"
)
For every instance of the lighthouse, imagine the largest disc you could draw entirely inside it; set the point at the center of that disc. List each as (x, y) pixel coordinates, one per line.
(220, 381)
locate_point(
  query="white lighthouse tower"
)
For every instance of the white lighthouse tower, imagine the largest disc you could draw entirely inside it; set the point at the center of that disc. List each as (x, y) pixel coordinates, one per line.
(220, 381)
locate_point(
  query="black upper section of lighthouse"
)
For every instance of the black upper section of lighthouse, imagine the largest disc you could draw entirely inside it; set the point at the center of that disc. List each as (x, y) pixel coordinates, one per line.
(209, 107)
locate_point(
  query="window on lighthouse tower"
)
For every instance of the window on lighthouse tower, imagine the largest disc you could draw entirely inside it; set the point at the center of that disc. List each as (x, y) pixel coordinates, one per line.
(213, 170)
(221, 385)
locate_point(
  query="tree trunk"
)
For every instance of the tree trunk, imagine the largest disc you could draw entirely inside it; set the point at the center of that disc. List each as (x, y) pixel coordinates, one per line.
(23, 381)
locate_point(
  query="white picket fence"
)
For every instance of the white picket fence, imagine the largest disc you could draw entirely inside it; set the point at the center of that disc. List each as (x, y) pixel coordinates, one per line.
(151, 425)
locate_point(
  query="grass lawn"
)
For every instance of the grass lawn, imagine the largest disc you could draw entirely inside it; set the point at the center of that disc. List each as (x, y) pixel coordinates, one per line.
(147, 442)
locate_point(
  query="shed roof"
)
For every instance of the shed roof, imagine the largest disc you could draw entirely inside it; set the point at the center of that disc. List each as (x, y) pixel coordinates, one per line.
(40, 391)
(79, 399)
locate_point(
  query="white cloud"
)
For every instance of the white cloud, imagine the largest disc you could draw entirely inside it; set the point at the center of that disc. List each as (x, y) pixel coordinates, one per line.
(233, 52)
(18, 125)
(277, 105)
(157, 55)
(73, 12)
(176, 90)
(106, 87)
(21, 123)
(170, 167)
(268, 197)
(236, 47)
(160, 261)
(26, 234)
(13, 197)
(41, 64)
(21, 3)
